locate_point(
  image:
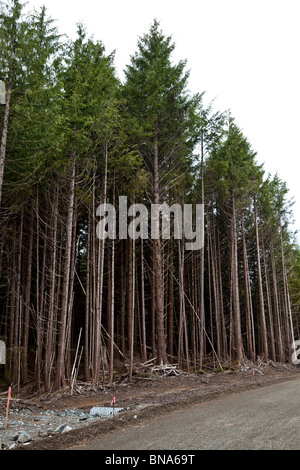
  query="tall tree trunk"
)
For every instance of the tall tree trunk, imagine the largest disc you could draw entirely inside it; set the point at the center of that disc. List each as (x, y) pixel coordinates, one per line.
(27, 301)
(288, 314)
(215, 281)
(235, 285)
(202, 260)
(269, 303)
(4, 133)
(112, 307)
(130, 304)
(157, 257)
(74, 251)
(112, 314)
(144, 337)
(250, 332)
(171, 302)
(88, 303)
(278, 330)
(260, 291)
(123, 299)
(18, 304)
(49, 348)
(39, 310)
(99, 288)
(60, 379)
(153, 310)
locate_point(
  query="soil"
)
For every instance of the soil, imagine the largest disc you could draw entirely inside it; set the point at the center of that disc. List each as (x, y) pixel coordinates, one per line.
(152, 392)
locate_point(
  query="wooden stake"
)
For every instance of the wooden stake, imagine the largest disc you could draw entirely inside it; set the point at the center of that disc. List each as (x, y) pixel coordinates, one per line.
(7, 407)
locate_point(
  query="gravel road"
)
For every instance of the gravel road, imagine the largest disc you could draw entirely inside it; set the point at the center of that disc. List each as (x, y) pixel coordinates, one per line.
(261, 419)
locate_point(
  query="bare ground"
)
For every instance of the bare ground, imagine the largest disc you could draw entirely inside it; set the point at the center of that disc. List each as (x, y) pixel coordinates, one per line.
(151, 393)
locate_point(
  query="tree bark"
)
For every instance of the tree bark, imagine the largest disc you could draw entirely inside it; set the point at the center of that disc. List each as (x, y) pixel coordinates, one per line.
(52, 293)
(27, 301)
(157, 257)
(60, 379)
(235, 285)
(4, 134)
(249, 329)
(99, 288)
(260, 291)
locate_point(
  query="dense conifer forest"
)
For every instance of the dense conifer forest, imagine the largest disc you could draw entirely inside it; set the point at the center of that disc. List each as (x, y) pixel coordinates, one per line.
(74, 137)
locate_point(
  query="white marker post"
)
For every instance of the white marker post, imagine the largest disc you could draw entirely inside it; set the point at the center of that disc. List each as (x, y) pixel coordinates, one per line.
(2, 353)
(2, 92)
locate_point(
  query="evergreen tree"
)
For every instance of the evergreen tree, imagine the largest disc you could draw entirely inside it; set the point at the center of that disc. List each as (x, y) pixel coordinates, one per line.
(156, 95)
(11, 45)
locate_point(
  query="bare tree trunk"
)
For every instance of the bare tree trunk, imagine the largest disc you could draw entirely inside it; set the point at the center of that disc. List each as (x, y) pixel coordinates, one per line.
(99, 290)
(27, 301)
(288, 314)
(88, 303)
(144, 338)
(74, 251)
(123, 300)
(250, 333)
(60, 379)
(157, 256)
(39, 314)
(18, 304)
(280, 351)
(180, 353)
(130, 305)
(112, 309)
(171, 302)
(12, 302)
(4, 134)
(112, 316)
(202, 256)
(271, 326)
(50, 327)
(260, 291)
(224, 336)
(153, 310)
(235, 285)
(215, 281)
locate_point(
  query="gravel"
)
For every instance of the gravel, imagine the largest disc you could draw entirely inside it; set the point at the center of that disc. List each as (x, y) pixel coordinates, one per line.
(26, 425)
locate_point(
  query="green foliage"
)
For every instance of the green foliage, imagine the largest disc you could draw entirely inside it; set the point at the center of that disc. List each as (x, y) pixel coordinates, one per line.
(12, 41)
(235, 163)
(166, 116)
(67, 104)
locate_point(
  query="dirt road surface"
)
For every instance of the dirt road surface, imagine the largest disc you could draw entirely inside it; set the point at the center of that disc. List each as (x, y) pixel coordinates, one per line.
(209, 410)
(261, 419)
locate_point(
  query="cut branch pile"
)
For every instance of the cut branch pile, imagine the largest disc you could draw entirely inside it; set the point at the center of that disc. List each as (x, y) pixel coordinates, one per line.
(162, 369)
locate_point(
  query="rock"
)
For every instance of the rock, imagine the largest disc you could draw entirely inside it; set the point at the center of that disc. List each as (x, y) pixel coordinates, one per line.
(67, 429)
(44, 433)
(63, 428)
(104, 411)
(23, 437)
(60, 428)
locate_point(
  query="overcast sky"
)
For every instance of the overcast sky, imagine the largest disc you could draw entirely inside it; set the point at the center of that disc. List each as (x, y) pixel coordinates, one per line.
(242, 53)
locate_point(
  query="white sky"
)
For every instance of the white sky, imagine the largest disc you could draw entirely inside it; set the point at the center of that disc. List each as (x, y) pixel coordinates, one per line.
(242, 53)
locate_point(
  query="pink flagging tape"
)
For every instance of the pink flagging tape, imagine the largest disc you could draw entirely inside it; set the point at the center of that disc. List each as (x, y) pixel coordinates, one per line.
(8, 400)
(113, 401)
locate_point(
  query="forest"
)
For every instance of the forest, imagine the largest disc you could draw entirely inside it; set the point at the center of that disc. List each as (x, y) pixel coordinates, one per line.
(74, 136)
